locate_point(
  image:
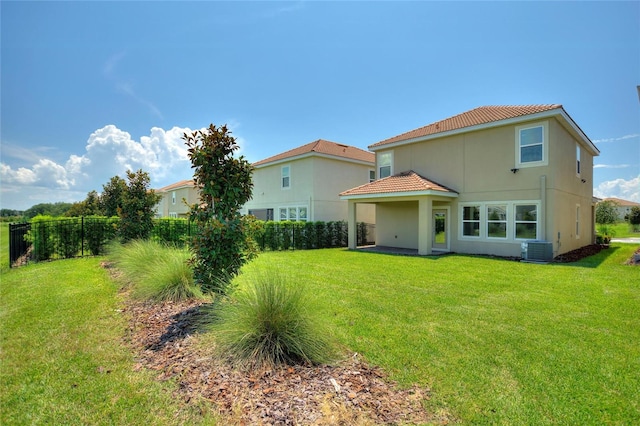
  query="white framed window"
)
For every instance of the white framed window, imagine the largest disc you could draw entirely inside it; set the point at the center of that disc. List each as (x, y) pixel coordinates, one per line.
(526, 221)
(173, 197)
(372, 175)
(471, 221)
(285, 174)
(577, 160)
(577, 221)
(504, 221)
(497, 221)
(173, 215)
(532, 145)
(295, 213)
(385, 164)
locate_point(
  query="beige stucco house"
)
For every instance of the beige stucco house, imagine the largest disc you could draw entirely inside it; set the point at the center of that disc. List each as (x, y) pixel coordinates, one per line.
(622, 206)
(175, 198)
(303, 183)
(483, 182)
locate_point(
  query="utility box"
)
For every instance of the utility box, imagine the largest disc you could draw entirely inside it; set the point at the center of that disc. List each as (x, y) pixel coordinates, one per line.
(539, 251)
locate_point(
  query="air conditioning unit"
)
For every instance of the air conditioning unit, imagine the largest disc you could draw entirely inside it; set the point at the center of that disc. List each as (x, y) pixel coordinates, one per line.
(539, 251)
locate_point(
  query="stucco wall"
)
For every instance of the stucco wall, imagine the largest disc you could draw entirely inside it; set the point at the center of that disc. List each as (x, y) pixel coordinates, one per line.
(397, 224)
(478, 166)
(315, 182)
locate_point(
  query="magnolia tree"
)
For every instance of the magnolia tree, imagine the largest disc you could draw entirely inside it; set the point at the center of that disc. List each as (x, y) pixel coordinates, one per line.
(137, 210)
(219, 247)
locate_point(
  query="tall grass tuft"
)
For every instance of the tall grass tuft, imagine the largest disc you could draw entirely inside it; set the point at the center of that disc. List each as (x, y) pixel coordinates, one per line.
(155, 271)
(267, 323)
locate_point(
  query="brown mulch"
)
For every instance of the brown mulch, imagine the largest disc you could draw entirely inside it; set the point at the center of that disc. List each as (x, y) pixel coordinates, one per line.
(578, 254)
(166, 339)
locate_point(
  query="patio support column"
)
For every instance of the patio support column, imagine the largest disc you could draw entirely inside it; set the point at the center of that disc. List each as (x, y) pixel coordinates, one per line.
(425, 225)
(352, 225)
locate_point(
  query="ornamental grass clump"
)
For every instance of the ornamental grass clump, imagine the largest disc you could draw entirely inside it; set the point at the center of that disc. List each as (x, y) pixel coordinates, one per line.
(267, 323)
(155, 271)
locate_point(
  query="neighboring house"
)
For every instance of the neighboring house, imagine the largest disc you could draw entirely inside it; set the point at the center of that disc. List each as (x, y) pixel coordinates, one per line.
(623, 206)
(483, 182)
(175, 198)
(303, 183)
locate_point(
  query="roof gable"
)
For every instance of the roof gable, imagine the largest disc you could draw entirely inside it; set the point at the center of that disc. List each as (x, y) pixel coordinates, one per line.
(477, 116)
(323, 147)
(177, 185)
(405, 182)
(622, 203)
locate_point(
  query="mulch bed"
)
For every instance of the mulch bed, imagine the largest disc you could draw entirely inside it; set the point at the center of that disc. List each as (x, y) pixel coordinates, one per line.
(166, 339)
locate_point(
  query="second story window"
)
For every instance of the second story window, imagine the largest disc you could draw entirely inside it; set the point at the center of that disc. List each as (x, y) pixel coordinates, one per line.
(532, 145)
(173, 197)
(286, 177)
(385, 162)
(372, 175)
(578, 160)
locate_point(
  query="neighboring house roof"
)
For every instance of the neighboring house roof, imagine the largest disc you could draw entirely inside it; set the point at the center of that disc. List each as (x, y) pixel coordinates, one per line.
(322, 147)
(485, 116)
(622, 203)
(409, 183)
(177, 185)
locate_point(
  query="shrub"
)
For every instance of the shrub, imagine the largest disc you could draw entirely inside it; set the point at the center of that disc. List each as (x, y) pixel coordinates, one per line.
(68, 237)
(268, 324)
(98, 231)
(155, 271)
(41, 238)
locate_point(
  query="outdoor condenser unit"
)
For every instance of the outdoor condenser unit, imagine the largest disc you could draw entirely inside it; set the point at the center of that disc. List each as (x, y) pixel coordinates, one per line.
(541, 251)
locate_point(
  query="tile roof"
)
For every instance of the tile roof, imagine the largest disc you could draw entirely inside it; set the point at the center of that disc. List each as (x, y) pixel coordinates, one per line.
(322, 146)
(408, 181)
(176, 185)
(623, 203)
(474, 117)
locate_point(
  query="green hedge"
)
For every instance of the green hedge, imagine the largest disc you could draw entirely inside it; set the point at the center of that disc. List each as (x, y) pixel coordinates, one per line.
(287, 235)
(53, 238)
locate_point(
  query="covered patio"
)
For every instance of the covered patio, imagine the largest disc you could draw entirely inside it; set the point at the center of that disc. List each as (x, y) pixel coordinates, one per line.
(411, 212)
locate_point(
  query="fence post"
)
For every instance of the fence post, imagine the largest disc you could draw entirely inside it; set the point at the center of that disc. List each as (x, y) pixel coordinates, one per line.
(82, 237)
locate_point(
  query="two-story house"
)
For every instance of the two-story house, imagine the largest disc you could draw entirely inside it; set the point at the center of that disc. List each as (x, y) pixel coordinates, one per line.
(303, 183)
(483, 182)
(175, 198)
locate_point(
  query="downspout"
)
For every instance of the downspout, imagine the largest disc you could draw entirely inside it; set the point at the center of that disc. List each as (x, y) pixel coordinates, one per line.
(543, 206)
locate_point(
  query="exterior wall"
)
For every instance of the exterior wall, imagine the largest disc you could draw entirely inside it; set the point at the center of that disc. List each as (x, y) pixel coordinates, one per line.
(397, 224)
(167, 208)
(478, 166)
(315, 183)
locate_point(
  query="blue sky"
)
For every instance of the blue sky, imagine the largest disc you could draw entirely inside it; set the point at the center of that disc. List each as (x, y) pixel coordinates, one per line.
(90, 89)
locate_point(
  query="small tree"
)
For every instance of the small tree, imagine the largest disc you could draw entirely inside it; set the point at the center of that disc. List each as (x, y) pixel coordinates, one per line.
(219, 247)
(606, 212)
(136, 213)
(112, 197)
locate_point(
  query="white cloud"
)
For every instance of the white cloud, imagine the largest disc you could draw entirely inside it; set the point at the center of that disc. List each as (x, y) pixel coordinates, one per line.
(611, 166)
(109, 151)
(621, 138)
(619, 188)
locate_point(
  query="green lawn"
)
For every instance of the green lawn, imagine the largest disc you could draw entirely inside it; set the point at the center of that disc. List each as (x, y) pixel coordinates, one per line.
(63, 359)
(4, 246)
(498, 342)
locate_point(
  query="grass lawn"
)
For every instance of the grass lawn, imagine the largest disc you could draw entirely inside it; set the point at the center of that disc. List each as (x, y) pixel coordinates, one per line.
(498, 342)
(624, 230)
(63, 360)
(4, 246)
